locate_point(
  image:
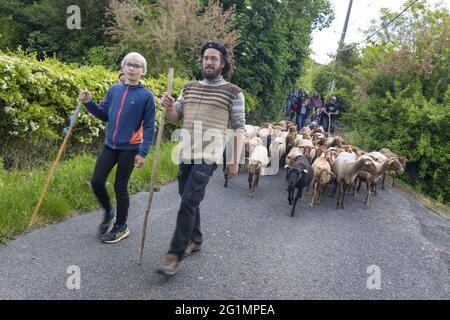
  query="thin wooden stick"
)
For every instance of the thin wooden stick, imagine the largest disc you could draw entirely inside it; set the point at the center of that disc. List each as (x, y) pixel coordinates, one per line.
(162, 122)
(329, 123)
(54, 165)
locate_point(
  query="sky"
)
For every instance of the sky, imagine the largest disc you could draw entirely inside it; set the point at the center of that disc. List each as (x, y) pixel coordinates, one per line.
(362, 12)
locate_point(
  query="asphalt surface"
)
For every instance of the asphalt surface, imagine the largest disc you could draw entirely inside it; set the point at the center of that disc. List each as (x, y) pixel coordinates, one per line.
(253, 249)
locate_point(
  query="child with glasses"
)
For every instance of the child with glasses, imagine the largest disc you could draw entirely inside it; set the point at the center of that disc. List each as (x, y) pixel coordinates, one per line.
(129, 110)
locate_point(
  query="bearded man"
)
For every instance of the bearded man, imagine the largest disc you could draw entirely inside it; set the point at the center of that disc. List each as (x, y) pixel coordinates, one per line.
(207, 106)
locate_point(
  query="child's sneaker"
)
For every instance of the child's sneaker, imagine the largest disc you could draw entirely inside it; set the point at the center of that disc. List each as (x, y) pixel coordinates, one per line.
(108, 220)
(116, 234)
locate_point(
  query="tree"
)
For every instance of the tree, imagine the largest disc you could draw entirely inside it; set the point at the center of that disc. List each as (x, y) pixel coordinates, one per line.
(420, 40)
(401, 95)
(40, 26)
(170, 32)
(275, 45)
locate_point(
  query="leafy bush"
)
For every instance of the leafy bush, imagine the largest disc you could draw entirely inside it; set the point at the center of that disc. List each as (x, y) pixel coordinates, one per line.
(400, 95)
(411, 125)
(37, 98)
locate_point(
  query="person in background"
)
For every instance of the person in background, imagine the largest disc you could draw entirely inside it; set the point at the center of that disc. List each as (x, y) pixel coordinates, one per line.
(302, 112)
(330, 114)
(316, 107)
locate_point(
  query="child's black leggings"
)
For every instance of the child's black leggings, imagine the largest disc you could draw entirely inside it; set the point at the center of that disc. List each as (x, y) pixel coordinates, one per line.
(106, 160)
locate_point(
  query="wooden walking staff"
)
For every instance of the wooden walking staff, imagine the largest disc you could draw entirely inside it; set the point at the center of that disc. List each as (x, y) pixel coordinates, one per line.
(55, 163)
(162, 122)
(329, 123)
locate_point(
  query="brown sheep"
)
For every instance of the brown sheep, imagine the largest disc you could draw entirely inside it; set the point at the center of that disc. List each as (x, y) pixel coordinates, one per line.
(396, 169)
(346, 167)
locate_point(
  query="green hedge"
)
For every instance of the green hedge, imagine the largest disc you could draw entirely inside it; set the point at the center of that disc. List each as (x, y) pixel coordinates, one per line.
(37, 98)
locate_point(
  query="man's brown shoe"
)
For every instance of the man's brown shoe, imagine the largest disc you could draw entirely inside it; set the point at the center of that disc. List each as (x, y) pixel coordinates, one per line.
(192, 247)
(170, 265)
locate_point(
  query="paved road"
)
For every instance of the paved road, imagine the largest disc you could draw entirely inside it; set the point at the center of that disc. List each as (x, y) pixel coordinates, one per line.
(253, 249)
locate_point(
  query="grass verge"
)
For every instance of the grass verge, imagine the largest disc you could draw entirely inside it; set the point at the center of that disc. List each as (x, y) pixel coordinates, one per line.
(68, 194)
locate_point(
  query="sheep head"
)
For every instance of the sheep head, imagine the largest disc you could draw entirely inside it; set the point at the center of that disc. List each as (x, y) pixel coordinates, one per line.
(320, 150)
(306, 135)
(370, 166)
(338, 141)
(306, 151)
(403, 161)
(396, 165)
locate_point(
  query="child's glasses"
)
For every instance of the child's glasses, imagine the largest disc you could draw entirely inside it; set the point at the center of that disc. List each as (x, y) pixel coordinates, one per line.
(135, 66)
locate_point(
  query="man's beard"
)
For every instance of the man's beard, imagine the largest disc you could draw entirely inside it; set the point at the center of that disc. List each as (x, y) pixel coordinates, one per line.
(211, 75)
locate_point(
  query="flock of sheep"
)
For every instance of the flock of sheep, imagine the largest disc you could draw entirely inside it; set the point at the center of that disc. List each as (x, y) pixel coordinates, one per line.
(314, 159)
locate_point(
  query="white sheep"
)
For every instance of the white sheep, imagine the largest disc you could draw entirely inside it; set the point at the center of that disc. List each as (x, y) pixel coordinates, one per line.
(259, 159)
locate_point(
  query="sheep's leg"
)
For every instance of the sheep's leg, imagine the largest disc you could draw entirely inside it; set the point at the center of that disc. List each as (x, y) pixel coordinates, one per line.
(338, 186)
(393, 181)
(369, 187)
(313, 194)
(253, 190)
(246, 163)
(290, 195)
(251, 182)
(255, 184)
(382, 181)
(359, 183)
(297, 196)
(286, 181)
(352, 187)
(345, 187)
(319, 189)
(283, 157)
(224, 161)
(374, 188)
(282, 160)
(324, 187)
(334, 189)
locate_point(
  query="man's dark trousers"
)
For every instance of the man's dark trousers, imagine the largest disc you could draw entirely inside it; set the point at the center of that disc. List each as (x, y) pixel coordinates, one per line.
(192, 182)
